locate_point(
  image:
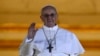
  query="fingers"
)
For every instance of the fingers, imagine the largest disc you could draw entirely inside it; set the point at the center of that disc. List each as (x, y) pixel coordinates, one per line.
(33, 25)
(32, 28)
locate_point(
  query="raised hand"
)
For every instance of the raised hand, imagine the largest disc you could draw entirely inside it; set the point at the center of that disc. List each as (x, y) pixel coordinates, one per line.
(32, 31)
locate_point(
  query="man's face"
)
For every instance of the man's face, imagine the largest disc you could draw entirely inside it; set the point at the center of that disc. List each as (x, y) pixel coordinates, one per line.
(49, 17)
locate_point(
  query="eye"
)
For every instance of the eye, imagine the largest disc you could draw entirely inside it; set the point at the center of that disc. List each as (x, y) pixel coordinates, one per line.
(52, 15)
(46, 15)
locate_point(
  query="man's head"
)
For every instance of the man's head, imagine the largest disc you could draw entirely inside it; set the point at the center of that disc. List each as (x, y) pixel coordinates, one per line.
(49, 16)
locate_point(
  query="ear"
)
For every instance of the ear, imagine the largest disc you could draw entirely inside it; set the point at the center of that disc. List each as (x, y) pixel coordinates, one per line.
(41, 18)
(56, 20)
(56, 17)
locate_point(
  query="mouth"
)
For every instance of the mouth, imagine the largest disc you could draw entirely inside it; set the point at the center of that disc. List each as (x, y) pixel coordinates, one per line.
(49, 20)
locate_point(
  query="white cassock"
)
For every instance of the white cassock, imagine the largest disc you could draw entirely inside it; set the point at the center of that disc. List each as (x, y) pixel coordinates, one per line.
(64, 43)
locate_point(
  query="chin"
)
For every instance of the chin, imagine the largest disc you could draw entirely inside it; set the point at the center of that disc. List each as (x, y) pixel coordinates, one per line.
(50, 25)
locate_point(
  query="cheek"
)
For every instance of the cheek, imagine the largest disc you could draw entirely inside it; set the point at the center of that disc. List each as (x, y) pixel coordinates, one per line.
(44, 20)
(55, 19)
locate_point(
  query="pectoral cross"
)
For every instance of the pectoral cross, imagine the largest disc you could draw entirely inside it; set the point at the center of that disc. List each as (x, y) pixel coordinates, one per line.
(50, 48)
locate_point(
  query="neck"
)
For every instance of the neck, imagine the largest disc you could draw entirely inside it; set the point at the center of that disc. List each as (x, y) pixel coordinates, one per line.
(50, 26)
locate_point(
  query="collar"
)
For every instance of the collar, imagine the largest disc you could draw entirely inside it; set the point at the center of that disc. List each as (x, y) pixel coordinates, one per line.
(51, 28)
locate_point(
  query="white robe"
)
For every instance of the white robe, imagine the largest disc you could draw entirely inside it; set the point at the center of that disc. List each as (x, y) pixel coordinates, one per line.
(65, 43)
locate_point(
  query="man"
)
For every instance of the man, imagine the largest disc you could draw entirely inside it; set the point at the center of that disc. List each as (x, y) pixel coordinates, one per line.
(50, 40)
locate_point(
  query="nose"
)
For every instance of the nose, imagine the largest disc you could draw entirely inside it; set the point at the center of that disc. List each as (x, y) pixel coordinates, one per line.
(49, 17)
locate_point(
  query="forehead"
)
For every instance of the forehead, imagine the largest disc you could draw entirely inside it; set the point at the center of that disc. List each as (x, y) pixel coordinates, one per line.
(48, 11)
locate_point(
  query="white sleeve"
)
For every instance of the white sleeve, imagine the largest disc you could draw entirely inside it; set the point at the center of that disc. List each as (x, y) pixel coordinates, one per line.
(77, 47)
(26, 48)
(74, 54)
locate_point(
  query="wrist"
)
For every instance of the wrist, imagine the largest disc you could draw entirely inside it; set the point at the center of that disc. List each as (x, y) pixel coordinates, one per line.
(29, 40)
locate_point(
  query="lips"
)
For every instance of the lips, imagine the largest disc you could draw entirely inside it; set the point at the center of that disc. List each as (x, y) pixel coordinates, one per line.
(49, 20)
